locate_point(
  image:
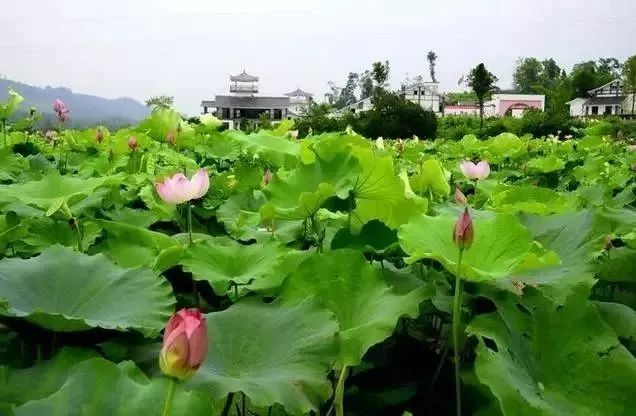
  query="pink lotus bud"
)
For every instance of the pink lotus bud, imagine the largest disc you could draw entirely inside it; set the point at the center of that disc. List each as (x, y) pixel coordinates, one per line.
(170, 137)
(99, 136)
(132, 143)
(185, 344)
(463, 234)
(470, 170)
(61, 110)
(267, 177)
(460, 198)
(179, 189)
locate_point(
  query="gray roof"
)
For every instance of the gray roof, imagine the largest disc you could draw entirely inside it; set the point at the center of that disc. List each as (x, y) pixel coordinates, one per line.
(605, 100)
(244, 77)
(247, 102)
(298, 93)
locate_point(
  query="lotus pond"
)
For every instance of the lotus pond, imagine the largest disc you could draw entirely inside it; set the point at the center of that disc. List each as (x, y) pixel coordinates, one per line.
(325, 270)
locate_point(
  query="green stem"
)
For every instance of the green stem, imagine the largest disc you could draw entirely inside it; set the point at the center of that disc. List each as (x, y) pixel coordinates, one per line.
(338, 398)
(167, 407)
(189, 223)
(78, 231)
(4, 131)
(457, 307)
(228, 405)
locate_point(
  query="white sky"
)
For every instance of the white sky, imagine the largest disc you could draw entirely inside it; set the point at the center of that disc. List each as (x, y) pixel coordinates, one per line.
(188, 48)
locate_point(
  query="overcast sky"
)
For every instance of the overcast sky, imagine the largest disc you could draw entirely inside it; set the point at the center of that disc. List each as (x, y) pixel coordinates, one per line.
(188, 48)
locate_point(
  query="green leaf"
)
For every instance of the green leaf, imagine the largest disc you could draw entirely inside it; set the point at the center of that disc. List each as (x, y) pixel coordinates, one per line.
(430, 179)
(18, 386)
(374, 237)
(12, 104)
(53, 190)
(366, 308)
(621, 318)
(275, 150)
(222, 262)
(550, 359)
(621, 265)
(500, 243)
(299, 194)
(532, 200)
(98, 387)
(131, 246)
(546, 164)
(65, 291)
(273, 353)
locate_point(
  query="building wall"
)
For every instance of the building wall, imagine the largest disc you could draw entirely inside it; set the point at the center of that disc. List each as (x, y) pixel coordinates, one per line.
(576, 107)
(461, 111)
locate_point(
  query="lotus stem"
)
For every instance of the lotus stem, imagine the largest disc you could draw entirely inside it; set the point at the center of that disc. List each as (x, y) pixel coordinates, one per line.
(167, 407)
(457, 307)
(339, 393)
(78, 232)
(228, 404)
(189, 223)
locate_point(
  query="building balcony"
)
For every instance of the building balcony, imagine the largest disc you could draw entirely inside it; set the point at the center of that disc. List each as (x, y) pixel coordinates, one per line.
(246, 89)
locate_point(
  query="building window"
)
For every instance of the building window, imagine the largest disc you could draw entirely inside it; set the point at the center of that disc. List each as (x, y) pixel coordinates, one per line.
(608, 110)
(594, 110)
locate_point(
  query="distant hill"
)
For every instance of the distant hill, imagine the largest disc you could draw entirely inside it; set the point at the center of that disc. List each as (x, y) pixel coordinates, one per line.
(86, 110)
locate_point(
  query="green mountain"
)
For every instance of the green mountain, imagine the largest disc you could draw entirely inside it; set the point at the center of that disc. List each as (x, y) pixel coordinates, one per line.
(86, 110)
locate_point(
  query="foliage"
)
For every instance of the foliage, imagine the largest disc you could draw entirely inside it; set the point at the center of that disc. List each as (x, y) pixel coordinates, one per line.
(160, 102)
(482, 82)
(330, 283)
(629, 78)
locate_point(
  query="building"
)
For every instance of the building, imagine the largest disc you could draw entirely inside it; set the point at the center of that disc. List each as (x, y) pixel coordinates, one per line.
(606, 100)
(425, 94)
(299, 101)
(358, 107)
(244, 106)
(500, 105)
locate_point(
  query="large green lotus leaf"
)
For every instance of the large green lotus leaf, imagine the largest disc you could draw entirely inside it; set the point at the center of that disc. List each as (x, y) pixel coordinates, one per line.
(131, 246)
(620, 266)
(273, 353)
(220, 147)
(11, 165)
(44, 232)
(223, 262)
(8, 107)
(380, 194)
(53, 190)
(365, 306)
(550, 359)
(63, 290)
(506, 145)
(532, 200)
(98, 387)
(574, 240)
(620, 317)
(546, 164)
(499, 245)
(277, 151)
(299, 193)
(43, 379)
(430, 179)
(374, 237)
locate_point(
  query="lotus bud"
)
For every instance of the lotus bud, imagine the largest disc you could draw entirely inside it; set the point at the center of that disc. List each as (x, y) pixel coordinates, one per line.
(99, 136)
(179, 128)
(473, 171)
(463, 234)
(460, 198)
(50, 135)
(185, 343)
(267, 177)
(170, 138)
(399, 146)
(132, 143)
(61, 110)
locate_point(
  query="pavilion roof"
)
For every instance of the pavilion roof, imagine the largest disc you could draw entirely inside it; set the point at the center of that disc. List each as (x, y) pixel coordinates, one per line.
(244, 77)
(298, 93)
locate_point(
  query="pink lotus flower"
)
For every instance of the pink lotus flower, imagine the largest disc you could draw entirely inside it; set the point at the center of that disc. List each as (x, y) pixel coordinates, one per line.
(470, 170)
(460, 198)
(132, 143)
(185, 343)
(61, 110)
(463, 233)
(179, 189)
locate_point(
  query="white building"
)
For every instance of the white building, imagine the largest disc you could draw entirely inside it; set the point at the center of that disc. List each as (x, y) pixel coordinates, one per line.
(500, 105)
(606, 100)
(425, 94)
(358, 107)
(299, 102)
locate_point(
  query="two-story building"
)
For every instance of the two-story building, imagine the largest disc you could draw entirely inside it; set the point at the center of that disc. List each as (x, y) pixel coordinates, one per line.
(425, 94)
(299, 102)
(606, 100)
(244, 106)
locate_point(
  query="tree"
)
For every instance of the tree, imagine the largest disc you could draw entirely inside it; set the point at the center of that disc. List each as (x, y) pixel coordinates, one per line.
(629, 79)
(160, 102)
(551, 72)
(482, 83)
(527, 76)
(588, 75)
(610, 67)
(432, 58)
(366, 85)
(348, 93)
(380, 73)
